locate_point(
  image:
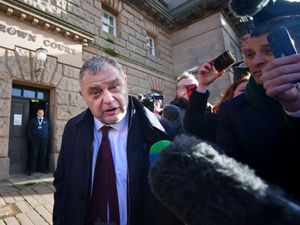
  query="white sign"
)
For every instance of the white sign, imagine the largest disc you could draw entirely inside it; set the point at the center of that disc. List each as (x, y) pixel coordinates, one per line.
(15, 33)
(17, 119)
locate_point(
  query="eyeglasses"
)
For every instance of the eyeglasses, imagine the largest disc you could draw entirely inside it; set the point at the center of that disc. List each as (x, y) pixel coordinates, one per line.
(182, 87)
(185, 87)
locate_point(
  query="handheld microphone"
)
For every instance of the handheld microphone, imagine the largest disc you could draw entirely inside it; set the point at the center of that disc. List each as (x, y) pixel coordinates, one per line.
(156, 148)
(203, 187)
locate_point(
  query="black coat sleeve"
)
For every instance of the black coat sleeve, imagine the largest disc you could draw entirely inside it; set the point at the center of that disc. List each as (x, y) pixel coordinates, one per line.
(225, 135)
(60, 177)
(198, 120)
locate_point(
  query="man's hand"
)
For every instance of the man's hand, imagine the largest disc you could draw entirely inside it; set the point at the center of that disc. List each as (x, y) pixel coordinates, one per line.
(206, 75)
(280, 78)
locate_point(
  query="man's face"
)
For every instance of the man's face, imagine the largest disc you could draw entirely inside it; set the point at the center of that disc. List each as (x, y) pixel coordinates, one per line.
(40, 113)
(181, 92)
(257, 55)
(106, 94)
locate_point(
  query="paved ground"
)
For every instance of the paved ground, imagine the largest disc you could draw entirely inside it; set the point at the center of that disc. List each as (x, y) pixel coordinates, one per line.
(26, 200)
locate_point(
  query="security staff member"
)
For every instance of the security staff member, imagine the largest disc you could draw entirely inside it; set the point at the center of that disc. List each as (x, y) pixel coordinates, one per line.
(39, 132)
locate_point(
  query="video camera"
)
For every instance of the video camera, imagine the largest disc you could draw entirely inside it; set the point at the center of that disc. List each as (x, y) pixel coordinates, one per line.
(154, 96)
(149, 99)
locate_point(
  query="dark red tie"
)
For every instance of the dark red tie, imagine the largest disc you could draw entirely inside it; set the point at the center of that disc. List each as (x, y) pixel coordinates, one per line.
(104, 195)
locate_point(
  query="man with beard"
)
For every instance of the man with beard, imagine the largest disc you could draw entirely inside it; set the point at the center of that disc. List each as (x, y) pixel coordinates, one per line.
(186, 83)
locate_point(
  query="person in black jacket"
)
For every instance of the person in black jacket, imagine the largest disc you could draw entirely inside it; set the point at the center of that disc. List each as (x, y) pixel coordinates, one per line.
(186, 83)
(198, 120)
(261, 127)
(133, 129)
(39, 133)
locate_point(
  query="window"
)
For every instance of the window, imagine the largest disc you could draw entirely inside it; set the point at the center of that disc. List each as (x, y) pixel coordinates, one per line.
(40, 95)
(109, 23)
(28, 92)
(16, 91)
(150, 44)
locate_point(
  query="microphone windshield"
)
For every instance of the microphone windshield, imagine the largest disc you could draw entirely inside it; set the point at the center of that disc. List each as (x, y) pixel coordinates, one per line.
(202, 186)
(156, 148)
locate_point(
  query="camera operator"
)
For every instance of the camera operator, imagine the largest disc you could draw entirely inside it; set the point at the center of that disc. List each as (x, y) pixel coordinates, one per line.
(153, 102)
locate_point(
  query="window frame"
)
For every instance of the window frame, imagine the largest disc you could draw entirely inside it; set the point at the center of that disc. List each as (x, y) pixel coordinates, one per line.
(151, 49)
(114, 26)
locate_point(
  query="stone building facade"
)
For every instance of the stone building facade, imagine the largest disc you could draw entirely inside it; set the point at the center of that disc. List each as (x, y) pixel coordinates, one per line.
(72, 32)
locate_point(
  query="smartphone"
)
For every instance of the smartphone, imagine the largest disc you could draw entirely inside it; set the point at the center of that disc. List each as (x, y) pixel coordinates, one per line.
(281, 43)
(223, 61)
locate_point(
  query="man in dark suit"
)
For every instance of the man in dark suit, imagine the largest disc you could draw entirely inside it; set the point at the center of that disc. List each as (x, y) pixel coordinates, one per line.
(132, 130)
(39, 133)
(261, 127)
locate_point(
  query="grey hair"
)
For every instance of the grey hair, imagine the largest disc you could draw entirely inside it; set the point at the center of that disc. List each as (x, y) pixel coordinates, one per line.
(98, 64)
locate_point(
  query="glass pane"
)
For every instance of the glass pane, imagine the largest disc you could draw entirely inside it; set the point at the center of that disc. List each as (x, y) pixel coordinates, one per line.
(29, 94)
(105, 20)
(40, 95)
(111, 30)
(16, 92)
(105, 28)
(151, 42)
(105, 15)
(111, 21)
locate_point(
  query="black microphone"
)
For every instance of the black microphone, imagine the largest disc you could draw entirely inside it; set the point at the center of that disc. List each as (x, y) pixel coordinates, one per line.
(204, 187)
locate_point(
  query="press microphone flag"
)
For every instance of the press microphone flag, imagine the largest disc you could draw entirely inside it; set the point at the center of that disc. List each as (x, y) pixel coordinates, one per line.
(156, 148)
(204, 187)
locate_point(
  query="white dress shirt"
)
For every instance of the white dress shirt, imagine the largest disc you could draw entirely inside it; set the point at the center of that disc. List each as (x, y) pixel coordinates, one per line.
(118, 142)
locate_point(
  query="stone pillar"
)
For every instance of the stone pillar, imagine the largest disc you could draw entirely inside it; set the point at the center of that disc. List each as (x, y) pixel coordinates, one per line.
(5, 100)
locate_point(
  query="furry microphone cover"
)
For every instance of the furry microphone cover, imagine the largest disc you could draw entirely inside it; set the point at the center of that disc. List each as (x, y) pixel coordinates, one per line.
(263, 10)
(247, 7)
(204, 187)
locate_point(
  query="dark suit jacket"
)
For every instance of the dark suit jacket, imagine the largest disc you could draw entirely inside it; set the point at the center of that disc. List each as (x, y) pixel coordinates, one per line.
(33, 132)
(198, 119)
(72, 177)
(268, 145)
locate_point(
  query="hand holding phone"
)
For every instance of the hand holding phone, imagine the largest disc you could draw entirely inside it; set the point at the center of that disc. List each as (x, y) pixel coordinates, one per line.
(223, 61)
(281, 43)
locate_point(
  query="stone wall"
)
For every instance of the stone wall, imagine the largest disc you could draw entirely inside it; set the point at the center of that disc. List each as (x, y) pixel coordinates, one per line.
(65, 101)
(202, 41)
(129, 44)
(5, 97)
(146, 73)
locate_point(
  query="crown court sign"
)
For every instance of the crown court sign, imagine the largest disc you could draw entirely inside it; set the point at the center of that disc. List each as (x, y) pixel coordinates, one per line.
(14, 33)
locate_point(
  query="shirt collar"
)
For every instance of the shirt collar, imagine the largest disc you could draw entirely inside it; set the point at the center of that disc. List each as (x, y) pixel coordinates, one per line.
(117, 126)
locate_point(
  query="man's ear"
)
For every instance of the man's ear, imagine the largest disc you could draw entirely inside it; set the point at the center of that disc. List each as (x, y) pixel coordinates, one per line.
(80, 93)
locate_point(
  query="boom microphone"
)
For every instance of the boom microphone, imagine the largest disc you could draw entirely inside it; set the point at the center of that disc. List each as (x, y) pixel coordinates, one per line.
(247, 7)
(203, 187)
(263, 10)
